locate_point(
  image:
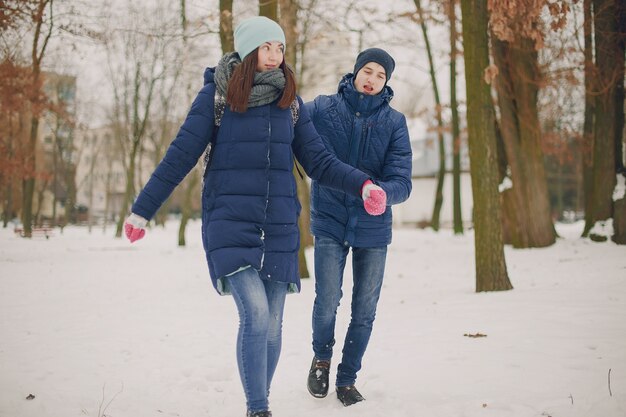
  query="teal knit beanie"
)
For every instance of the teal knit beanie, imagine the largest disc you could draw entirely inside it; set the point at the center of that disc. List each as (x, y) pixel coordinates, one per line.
(253, 32)
(377, 55)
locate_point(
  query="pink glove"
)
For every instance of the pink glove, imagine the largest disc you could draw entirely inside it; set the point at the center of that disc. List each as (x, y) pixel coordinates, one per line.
(134, 227)
(374, 198)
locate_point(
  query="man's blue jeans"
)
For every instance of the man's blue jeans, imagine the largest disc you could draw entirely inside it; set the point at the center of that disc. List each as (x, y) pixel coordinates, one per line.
(260, 304)
(368, 268)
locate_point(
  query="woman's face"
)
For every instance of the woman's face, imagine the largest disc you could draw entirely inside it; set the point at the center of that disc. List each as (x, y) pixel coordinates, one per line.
(270, 56)
(370, 79)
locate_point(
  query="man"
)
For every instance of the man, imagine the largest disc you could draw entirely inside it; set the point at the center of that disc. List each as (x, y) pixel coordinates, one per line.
(358, 125)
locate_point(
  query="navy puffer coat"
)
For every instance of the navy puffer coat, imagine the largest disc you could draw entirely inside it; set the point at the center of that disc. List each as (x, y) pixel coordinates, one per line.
(250, 206)
(365, 132)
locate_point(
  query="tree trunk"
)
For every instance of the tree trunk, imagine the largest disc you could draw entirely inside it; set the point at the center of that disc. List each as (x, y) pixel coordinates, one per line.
(90, 191)
(55, 171)
(37, 217)
(37, 54)
(441, 174)
(456, 130)
(11, 141)
(129, 191)
(70, 201)
(191, 190)
(619, 221)
(529, 215)
(512, 198)
(7, 205)
(139, 120)
(307, 19)
(192, 180)
(607, 63)
(107, 199)
(226, 26)
(269, 8)
(619, 204)
(491, 273)
(587, 139)
(619, 87)
(289, 21)
(28, 184)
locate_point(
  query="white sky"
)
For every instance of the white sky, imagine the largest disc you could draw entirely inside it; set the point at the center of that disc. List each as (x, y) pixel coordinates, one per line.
(411, 82)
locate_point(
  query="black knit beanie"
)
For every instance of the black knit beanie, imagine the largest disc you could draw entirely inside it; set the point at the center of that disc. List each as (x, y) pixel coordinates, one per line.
(378, 56)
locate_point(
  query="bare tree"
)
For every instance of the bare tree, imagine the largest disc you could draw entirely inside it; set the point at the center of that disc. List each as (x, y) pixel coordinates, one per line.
(14, 102)
(619, 204)
(343, 28)
(441, 174)
(16, 94)
(289, 23)
(96, 146)
(305, 22)
(608, 21)
(456, 129)
(43, 25)
(136, 77)
(60, 123)
(269, 8)
(191, 184)
(589, 114)
(517, 38)
(226, 26)
(491, 272)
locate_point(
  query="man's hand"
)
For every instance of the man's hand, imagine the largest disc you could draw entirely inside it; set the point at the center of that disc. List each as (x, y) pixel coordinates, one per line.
(374, 198)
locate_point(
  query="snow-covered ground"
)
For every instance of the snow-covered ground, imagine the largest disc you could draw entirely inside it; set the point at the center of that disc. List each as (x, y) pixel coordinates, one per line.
(94, 326)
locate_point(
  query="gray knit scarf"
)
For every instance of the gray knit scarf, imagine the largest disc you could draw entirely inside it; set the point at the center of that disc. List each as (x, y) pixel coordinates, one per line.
(268, 85)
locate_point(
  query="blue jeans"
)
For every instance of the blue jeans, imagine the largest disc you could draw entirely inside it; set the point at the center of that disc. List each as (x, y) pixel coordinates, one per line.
(260, 304)
(368, 268)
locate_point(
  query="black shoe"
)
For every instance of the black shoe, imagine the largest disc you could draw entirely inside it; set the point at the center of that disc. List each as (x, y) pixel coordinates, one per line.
(349, 395)
(259, 414)
(317, 382)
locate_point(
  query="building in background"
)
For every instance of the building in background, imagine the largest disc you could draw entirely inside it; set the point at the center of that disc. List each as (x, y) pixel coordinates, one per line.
(101, 174)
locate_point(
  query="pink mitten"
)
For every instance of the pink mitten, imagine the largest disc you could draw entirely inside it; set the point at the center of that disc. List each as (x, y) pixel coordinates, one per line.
(134, 227)
(374, 198)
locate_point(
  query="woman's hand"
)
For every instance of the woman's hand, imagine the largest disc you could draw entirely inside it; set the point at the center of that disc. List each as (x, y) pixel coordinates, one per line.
(134, 227)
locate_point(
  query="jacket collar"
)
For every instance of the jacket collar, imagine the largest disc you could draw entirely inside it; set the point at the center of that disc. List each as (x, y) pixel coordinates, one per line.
(363, 103)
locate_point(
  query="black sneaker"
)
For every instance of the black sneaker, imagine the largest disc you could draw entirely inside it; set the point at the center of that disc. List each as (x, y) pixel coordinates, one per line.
(259, 414)
(349, 395)
(317, 382)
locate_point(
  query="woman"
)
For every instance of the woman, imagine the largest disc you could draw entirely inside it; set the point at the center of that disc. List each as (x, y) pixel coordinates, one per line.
(250, 207)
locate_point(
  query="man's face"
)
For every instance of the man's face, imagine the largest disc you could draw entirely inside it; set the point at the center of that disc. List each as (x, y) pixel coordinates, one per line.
(370, 79)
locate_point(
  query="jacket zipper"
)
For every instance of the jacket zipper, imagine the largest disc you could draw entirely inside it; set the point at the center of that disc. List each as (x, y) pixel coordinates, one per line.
(267, 189)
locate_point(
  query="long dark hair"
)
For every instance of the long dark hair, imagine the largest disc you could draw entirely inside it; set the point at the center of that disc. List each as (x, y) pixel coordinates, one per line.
(242, 80)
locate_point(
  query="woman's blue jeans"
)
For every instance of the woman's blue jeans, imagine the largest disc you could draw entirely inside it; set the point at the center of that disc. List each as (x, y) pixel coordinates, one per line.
(368, 268)
(260, 304)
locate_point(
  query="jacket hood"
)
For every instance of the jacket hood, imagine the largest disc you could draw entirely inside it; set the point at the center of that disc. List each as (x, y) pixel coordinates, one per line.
(209, 75)
(359, 101)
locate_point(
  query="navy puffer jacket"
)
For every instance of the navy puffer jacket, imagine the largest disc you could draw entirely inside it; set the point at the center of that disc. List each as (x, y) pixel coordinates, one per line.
(365, 132)
(249, 201)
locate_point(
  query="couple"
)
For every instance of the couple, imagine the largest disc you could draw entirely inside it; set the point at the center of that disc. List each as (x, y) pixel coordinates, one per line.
(355, 148)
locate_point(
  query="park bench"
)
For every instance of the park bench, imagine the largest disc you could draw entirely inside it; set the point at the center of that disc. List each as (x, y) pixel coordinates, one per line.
(42, 231)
